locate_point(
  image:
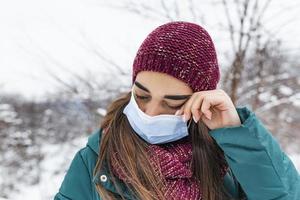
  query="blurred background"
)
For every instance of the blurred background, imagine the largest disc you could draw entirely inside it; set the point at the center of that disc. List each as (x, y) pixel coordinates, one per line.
(62, 62)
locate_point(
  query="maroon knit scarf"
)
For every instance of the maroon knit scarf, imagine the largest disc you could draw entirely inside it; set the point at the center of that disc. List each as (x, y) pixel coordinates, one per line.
(174, 160)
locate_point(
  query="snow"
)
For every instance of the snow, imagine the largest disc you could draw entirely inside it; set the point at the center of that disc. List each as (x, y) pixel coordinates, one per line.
(54, 166)
(101, 111)
(265, 96)
(295, 99)
(8, 114)
(285, 90)
(296, 160)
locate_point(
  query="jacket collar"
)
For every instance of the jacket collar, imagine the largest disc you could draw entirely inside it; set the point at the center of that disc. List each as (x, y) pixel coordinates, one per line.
(93, 143)
(93, 140)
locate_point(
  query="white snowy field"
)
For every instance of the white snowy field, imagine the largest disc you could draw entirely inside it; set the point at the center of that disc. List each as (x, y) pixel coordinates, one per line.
(53, 168)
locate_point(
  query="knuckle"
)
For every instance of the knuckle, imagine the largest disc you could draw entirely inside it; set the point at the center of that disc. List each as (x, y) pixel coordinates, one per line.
(194, 109)
(202, 109)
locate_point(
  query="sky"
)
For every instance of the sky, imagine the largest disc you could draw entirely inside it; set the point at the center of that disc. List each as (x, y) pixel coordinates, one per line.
(38, 37)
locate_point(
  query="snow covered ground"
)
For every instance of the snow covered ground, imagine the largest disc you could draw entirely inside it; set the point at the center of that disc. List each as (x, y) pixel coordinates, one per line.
(54, 166)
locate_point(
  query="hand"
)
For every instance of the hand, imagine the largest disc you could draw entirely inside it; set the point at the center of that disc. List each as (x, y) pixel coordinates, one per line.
(213, 107)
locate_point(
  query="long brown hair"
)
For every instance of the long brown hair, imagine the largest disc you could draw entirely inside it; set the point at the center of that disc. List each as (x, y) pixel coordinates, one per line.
(144, 181)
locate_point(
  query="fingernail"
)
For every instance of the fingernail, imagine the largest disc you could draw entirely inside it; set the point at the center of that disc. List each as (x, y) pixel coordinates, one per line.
(177, 112)
(194, 118)
(208, 116)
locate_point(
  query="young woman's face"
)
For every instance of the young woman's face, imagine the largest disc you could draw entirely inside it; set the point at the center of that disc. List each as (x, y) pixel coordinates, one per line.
(159, 93)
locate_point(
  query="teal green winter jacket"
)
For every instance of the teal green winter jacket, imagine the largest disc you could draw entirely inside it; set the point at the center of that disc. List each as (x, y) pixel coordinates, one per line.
(259, 168)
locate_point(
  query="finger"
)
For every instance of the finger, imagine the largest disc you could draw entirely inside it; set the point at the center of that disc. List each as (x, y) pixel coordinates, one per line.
(205, 107)
(219, 100)
(196, 104)
(179, 111)
(187, 107)
(195, 108)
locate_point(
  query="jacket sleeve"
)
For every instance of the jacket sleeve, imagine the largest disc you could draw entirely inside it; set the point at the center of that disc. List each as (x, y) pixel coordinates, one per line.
(77, 184)
(263, 170)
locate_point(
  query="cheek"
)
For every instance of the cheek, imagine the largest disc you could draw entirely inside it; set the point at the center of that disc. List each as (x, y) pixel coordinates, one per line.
(140, 104)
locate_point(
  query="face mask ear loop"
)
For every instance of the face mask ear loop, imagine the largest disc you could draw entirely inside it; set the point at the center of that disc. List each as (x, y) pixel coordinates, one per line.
(189, 123)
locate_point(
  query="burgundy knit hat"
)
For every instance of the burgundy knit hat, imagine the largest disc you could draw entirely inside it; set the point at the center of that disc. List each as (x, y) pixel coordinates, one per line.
(183, 50)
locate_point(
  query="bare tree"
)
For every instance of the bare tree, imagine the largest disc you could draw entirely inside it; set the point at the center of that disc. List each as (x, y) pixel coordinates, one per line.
(248, 15)
(162, 10)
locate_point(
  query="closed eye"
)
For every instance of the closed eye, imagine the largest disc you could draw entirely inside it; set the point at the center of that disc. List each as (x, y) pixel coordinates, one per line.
(177, 107)
(172, 107)
(141, 97)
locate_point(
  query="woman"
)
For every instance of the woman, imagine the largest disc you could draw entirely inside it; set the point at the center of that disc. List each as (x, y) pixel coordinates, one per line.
(176, 136)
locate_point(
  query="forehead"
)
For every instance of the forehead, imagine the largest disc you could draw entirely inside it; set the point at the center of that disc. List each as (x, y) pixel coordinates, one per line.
(162, 83)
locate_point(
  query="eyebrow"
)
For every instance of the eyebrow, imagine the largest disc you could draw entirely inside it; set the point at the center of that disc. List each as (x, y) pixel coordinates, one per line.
(173, 97)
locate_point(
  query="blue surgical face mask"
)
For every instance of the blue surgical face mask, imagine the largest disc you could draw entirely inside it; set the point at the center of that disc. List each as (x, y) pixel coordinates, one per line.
(155, 129)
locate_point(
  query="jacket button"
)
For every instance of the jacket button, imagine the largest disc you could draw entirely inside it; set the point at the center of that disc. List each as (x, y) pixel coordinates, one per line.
(103, 178)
